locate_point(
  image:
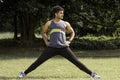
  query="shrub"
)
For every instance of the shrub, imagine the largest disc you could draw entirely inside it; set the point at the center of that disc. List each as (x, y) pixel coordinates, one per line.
(92, 42)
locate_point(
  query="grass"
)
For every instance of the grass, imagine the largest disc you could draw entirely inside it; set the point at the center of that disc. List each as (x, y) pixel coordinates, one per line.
(12, 61)
(6, 35)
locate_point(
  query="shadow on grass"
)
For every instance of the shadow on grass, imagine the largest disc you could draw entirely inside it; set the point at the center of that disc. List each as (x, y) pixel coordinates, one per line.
(16, 53)
(40, 77)
(10, 50)
(38, 42)
(8, 78)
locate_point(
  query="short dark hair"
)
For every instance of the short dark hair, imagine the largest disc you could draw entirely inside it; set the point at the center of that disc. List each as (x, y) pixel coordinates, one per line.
(56, 9)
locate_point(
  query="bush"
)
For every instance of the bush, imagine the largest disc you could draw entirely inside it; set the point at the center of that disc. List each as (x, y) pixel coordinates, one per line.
(92, 42)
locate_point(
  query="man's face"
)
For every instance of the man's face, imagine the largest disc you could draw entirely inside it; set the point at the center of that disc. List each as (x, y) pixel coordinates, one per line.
(59, 14)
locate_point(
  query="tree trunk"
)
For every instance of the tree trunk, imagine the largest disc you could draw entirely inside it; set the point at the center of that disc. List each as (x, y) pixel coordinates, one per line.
(15, 27)
(31, 29)
(27, 29)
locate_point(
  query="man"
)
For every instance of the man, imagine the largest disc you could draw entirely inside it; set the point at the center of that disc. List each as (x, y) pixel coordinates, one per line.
(58, 45)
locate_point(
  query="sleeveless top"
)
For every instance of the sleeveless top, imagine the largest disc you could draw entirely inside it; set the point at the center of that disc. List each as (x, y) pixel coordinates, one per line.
(57, 35)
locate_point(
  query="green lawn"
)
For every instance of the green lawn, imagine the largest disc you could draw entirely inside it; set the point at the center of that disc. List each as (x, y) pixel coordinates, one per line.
(14, 60)
(57, 68)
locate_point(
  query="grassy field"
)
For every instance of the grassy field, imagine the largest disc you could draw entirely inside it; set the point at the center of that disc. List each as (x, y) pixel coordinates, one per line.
(13, 61)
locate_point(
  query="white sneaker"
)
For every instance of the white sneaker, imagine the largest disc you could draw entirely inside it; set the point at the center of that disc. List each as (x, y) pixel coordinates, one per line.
(21, 74)
(95, 75)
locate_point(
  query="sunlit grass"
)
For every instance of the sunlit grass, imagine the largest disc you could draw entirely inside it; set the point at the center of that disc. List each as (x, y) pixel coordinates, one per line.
(10, 35)
(57, 68)
(6, 35)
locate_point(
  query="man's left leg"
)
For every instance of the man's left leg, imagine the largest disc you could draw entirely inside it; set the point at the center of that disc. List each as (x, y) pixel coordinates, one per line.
(68, 54)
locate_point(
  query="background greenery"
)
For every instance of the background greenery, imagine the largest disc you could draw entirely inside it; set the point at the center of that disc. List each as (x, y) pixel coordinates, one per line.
(96, 23)
(96, 43)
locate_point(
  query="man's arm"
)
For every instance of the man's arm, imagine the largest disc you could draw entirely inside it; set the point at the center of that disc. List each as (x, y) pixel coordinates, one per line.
(44, 31)
(71, 31)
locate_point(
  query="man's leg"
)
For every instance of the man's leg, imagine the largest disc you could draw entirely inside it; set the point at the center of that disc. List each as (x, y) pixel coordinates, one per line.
(46, 54)
(67, 53)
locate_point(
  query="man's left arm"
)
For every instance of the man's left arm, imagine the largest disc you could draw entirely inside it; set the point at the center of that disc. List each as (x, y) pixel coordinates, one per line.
(71, 31)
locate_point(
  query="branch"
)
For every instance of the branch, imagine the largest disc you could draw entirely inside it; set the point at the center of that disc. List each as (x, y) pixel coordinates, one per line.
(86, 18)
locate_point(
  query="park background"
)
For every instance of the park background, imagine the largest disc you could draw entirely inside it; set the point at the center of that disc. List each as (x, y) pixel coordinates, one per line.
(97, 40)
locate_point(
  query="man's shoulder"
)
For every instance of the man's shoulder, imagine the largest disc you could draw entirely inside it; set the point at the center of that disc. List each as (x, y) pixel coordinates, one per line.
(65, 21)
(49, 22)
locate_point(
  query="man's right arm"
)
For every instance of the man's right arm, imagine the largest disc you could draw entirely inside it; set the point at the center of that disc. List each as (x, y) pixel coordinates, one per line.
(44, 31)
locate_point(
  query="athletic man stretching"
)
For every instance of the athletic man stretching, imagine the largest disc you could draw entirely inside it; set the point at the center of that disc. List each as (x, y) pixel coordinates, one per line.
(58, 45)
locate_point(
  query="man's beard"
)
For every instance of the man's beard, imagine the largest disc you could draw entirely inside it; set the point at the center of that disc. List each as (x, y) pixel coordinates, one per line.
(60, 17)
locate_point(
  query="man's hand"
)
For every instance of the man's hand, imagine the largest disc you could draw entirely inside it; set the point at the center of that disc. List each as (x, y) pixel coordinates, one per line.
(47, 43)
(67, 42)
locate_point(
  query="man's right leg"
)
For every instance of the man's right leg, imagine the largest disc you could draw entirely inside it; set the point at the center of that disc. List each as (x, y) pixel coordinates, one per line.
(46, 54)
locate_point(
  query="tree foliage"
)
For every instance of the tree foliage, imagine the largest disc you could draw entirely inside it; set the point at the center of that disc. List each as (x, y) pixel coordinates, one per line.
(86, 16)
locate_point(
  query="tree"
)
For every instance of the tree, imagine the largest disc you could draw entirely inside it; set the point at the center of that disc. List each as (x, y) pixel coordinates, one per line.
(100, 16)
(86, 16)
(25, 15)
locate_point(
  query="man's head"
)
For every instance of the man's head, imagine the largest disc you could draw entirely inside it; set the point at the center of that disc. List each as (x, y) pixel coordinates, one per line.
(58, 12)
